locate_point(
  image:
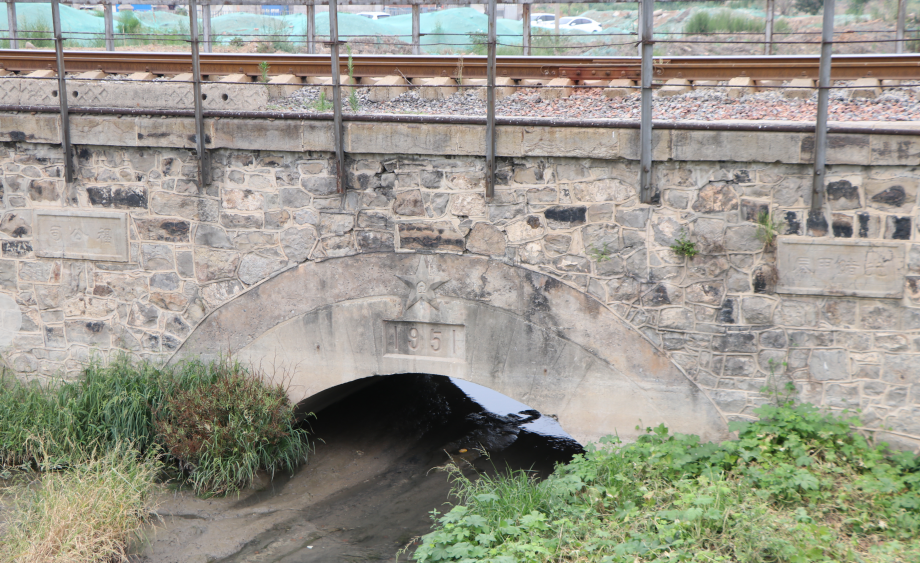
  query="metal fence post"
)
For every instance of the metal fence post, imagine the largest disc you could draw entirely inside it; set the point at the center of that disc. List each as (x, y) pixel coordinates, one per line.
(768, 30)
(646, 22)
(311, 28)
(337, 135)
(11, 24)
(490, 104)
(525, 38)
(206, 24)
(204, 163)
(109, 26)
(62, 90)
(902, 20)
(416, 30)
(824, 85)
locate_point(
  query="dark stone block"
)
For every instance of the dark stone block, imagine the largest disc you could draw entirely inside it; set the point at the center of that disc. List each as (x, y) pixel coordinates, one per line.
(16, 248)
(735, 342)
(816, 224)
(842, 228)
(863, 219)
(793, 225)
(571, 215)
(727, 312)
(899, 228)
(893, 196)
(842, 189)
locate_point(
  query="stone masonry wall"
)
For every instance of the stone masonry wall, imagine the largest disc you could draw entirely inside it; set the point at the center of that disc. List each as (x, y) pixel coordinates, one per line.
(579, 219)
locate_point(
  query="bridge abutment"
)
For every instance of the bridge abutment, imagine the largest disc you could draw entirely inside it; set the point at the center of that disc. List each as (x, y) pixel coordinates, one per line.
(135, 256)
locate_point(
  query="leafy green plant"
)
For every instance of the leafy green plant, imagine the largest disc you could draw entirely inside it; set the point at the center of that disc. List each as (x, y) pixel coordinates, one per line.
(768, 227)
(683, 246)
(797, 486)
(236, 42)
(36, 31)
(599, 254)
(263, 68)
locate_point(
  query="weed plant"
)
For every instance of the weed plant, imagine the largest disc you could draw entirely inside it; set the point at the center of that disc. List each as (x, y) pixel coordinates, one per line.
(797, 486)
(37, 31)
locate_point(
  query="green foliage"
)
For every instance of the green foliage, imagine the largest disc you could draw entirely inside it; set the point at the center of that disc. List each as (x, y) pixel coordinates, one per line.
(856, 7)
(797, 486)
(683, 246)
(236, 42)
(723, 21)
(321, 104)
(145, 406)
(768, 227)
(599, 254)
(809, 6)
(224, 431)
(37, 32)
(263, 68)
(127, 23)
(353, 101)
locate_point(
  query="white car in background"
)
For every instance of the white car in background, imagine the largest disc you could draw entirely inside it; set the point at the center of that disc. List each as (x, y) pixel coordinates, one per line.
(578, 23)
(547, 21)
(374, 15)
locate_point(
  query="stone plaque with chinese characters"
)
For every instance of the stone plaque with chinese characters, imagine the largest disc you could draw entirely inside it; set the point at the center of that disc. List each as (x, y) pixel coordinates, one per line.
(81, 235)
(835, 267)
(434, 340)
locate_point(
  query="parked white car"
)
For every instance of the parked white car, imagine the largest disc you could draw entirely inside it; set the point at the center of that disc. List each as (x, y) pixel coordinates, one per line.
(374, 15)
(547, 21)
(578, 23)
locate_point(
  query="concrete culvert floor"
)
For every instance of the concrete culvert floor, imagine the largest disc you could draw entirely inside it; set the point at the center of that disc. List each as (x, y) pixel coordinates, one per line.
(368, 489)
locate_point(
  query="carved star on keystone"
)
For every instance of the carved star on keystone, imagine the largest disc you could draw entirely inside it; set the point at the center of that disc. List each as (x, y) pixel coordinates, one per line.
(422, 286)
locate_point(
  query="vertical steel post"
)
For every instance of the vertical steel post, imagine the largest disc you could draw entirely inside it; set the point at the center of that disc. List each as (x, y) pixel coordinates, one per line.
(556, 20)
(902, 19)
(490, 103)
(204, 163)
(311, 28)
(525, 38)
(11, 20)
(768, 31)
(416, 30)
(109, 25)
(646, 22)
(337, 133)
(824, 91)
(62, 90)
(206, 25)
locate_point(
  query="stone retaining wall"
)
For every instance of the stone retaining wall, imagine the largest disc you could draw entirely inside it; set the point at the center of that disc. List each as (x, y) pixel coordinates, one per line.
(566, 204)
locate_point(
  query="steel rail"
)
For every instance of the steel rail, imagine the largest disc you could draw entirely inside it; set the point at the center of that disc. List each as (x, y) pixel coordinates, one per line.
(845, 67)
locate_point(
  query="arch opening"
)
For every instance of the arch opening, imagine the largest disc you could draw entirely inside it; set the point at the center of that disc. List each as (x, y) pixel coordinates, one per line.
(518, 332)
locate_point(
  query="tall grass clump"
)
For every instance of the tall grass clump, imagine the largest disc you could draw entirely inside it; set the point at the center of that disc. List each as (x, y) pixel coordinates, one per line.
(723, 21)
(216, 421)
(798, 486)
(224, 431)
(87, 514)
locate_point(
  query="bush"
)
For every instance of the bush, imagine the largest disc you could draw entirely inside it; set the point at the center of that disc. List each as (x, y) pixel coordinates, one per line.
(85, 515)
(223, 432)
(797, 486)
(809, 6)
(147, 406)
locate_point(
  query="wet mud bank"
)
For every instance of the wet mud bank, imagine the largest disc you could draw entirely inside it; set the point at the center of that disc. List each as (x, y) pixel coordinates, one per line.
(370, 485)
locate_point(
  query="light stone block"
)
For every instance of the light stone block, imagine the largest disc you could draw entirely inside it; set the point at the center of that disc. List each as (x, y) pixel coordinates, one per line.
(852, 268)
(80, 235)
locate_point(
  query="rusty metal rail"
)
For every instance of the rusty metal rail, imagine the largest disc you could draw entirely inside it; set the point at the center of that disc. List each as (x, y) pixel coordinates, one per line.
(845, 67)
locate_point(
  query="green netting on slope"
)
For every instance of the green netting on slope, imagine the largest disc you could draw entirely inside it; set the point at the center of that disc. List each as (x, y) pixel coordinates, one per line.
(442, 27)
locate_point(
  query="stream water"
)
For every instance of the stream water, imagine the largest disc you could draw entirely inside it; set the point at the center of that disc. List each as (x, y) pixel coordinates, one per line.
(375, 476)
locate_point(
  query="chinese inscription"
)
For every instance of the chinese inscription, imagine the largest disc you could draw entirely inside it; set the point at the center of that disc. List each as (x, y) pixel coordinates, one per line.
(81, 235)
(436, 340)
(854, 268)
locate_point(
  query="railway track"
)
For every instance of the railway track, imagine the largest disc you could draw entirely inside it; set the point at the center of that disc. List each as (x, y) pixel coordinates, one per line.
(844, 67)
